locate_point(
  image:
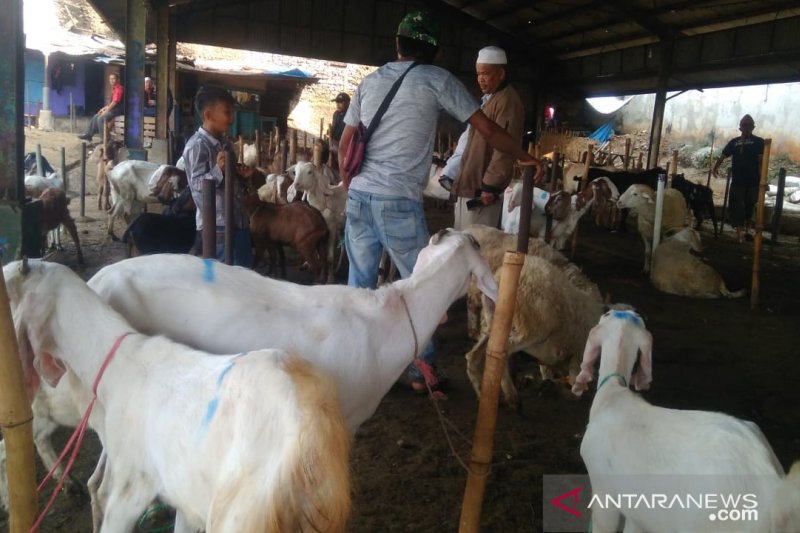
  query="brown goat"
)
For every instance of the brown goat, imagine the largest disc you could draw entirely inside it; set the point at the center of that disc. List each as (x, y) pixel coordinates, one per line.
(55, 212)
(107, 160)
(297, 224)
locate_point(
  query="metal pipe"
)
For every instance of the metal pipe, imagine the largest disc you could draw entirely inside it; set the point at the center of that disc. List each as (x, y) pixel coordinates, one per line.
(83, 179)
(662, 182)
(39, 167)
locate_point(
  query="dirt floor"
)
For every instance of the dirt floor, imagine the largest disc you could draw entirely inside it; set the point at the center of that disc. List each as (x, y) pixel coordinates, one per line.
(407, 460)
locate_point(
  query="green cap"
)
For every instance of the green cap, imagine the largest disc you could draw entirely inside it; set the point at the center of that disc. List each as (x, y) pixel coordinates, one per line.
(420, 26)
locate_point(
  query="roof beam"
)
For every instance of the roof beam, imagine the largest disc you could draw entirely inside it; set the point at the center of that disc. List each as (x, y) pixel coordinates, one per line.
(558, 16)
(649, 21)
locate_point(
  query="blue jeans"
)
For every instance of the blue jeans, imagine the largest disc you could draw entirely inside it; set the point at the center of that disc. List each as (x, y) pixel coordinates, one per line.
(374, 223)
(242, 246)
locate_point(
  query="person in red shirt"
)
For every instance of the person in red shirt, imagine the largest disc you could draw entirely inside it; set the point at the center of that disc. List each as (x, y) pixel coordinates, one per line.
(106, 113)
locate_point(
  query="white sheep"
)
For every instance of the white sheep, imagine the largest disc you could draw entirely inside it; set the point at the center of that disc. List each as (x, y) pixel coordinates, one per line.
(676, 271)
(131, 185)
(642, 199)
(551, 321)
(493, 245)
(363, 338)
(631, 446)
(567, 210)
(329, 200)
(246, 442)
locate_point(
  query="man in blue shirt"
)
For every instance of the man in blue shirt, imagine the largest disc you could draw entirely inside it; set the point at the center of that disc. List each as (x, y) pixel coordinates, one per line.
(384, 205)
(746, 151)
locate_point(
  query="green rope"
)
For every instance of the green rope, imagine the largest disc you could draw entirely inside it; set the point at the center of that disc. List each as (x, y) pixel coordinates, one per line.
(609, 376)
(153, 509)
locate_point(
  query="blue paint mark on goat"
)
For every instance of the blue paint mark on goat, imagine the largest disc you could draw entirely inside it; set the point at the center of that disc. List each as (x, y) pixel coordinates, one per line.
(628, 315)
(209, 272)
(211, 410)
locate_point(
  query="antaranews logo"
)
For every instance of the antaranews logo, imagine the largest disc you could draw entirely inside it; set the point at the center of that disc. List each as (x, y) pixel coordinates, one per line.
(687, 503)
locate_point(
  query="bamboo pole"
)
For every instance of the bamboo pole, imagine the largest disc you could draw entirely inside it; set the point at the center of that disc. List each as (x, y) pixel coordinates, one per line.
(317, 154)
(16, 421)
(762, 189)
(321, 126)
(83, 179)
(64, 168)
(775, 224)
(293, 148)
(496, 354)
(710, 160)
(240, 156)
(639, 163)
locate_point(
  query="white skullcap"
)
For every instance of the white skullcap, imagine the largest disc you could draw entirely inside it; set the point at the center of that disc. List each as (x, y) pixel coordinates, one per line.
(147, 78)
(492, 55)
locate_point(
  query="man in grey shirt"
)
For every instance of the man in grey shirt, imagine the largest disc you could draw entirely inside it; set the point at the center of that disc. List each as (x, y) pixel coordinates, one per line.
(384, 205)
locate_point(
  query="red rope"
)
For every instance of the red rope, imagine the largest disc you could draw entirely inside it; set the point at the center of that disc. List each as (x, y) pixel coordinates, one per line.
(76, 439)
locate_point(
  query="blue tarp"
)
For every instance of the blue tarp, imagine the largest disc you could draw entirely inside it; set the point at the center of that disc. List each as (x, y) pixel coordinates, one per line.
(603, 133)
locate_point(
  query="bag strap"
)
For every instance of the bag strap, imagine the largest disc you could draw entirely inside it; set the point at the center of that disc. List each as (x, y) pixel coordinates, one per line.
(385, 104)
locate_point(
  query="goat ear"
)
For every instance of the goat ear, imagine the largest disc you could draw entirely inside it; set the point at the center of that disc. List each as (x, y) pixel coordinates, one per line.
(644, 374)
(49, 368)
(487, 285)
(590, 355)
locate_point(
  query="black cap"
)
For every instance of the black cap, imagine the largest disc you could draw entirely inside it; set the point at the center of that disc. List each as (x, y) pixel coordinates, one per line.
(341, 97)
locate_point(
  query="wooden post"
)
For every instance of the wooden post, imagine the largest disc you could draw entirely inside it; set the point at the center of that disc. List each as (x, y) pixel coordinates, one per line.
(667, 169)
(105, 136)
(305, 140)
(270, 155)
(293, 147)
(64, 168)
(639, 164)
(584, 184)
(778, 209)
(674, 163)
(755, 288)
(317, 154)
(496, 355)
(627, 160)
(284, 157)
(240, 156)
(209, 218)
(725, 201)
(230, 226)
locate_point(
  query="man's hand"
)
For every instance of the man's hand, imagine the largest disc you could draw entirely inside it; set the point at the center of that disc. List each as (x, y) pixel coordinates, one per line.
(221, 156)
(488, 198)
(538, 175)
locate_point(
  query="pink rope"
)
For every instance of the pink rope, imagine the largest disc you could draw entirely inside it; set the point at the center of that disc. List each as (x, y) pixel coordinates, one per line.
(76, 439)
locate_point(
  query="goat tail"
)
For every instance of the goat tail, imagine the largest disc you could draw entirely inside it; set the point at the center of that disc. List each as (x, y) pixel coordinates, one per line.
(315, 494)
(785, 510)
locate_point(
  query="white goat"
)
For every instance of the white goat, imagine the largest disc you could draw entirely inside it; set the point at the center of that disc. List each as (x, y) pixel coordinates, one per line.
(363, 338)
(642, 199)
(131, 183)
(247, 442)
(572, 208)
(36, 185)
(676, 271)
(631, 446)
(275, 190)
(552, 319)
(329, 200)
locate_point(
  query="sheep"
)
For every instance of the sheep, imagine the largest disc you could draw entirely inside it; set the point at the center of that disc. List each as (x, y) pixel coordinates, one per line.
(131, 186)
(55, 211)
(493, 246)
(297, 224)
(246, 442)
(628, 441)
(329, 200)
(676, 271)
(551, 321)
(364, 338)
(566, 210)
(152, 233)
(642, 199)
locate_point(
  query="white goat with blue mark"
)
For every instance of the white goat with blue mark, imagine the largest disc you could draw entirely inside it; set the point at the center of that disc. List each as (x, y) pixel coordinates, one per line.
(252, 442)
(631, 446)
(363, 338)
